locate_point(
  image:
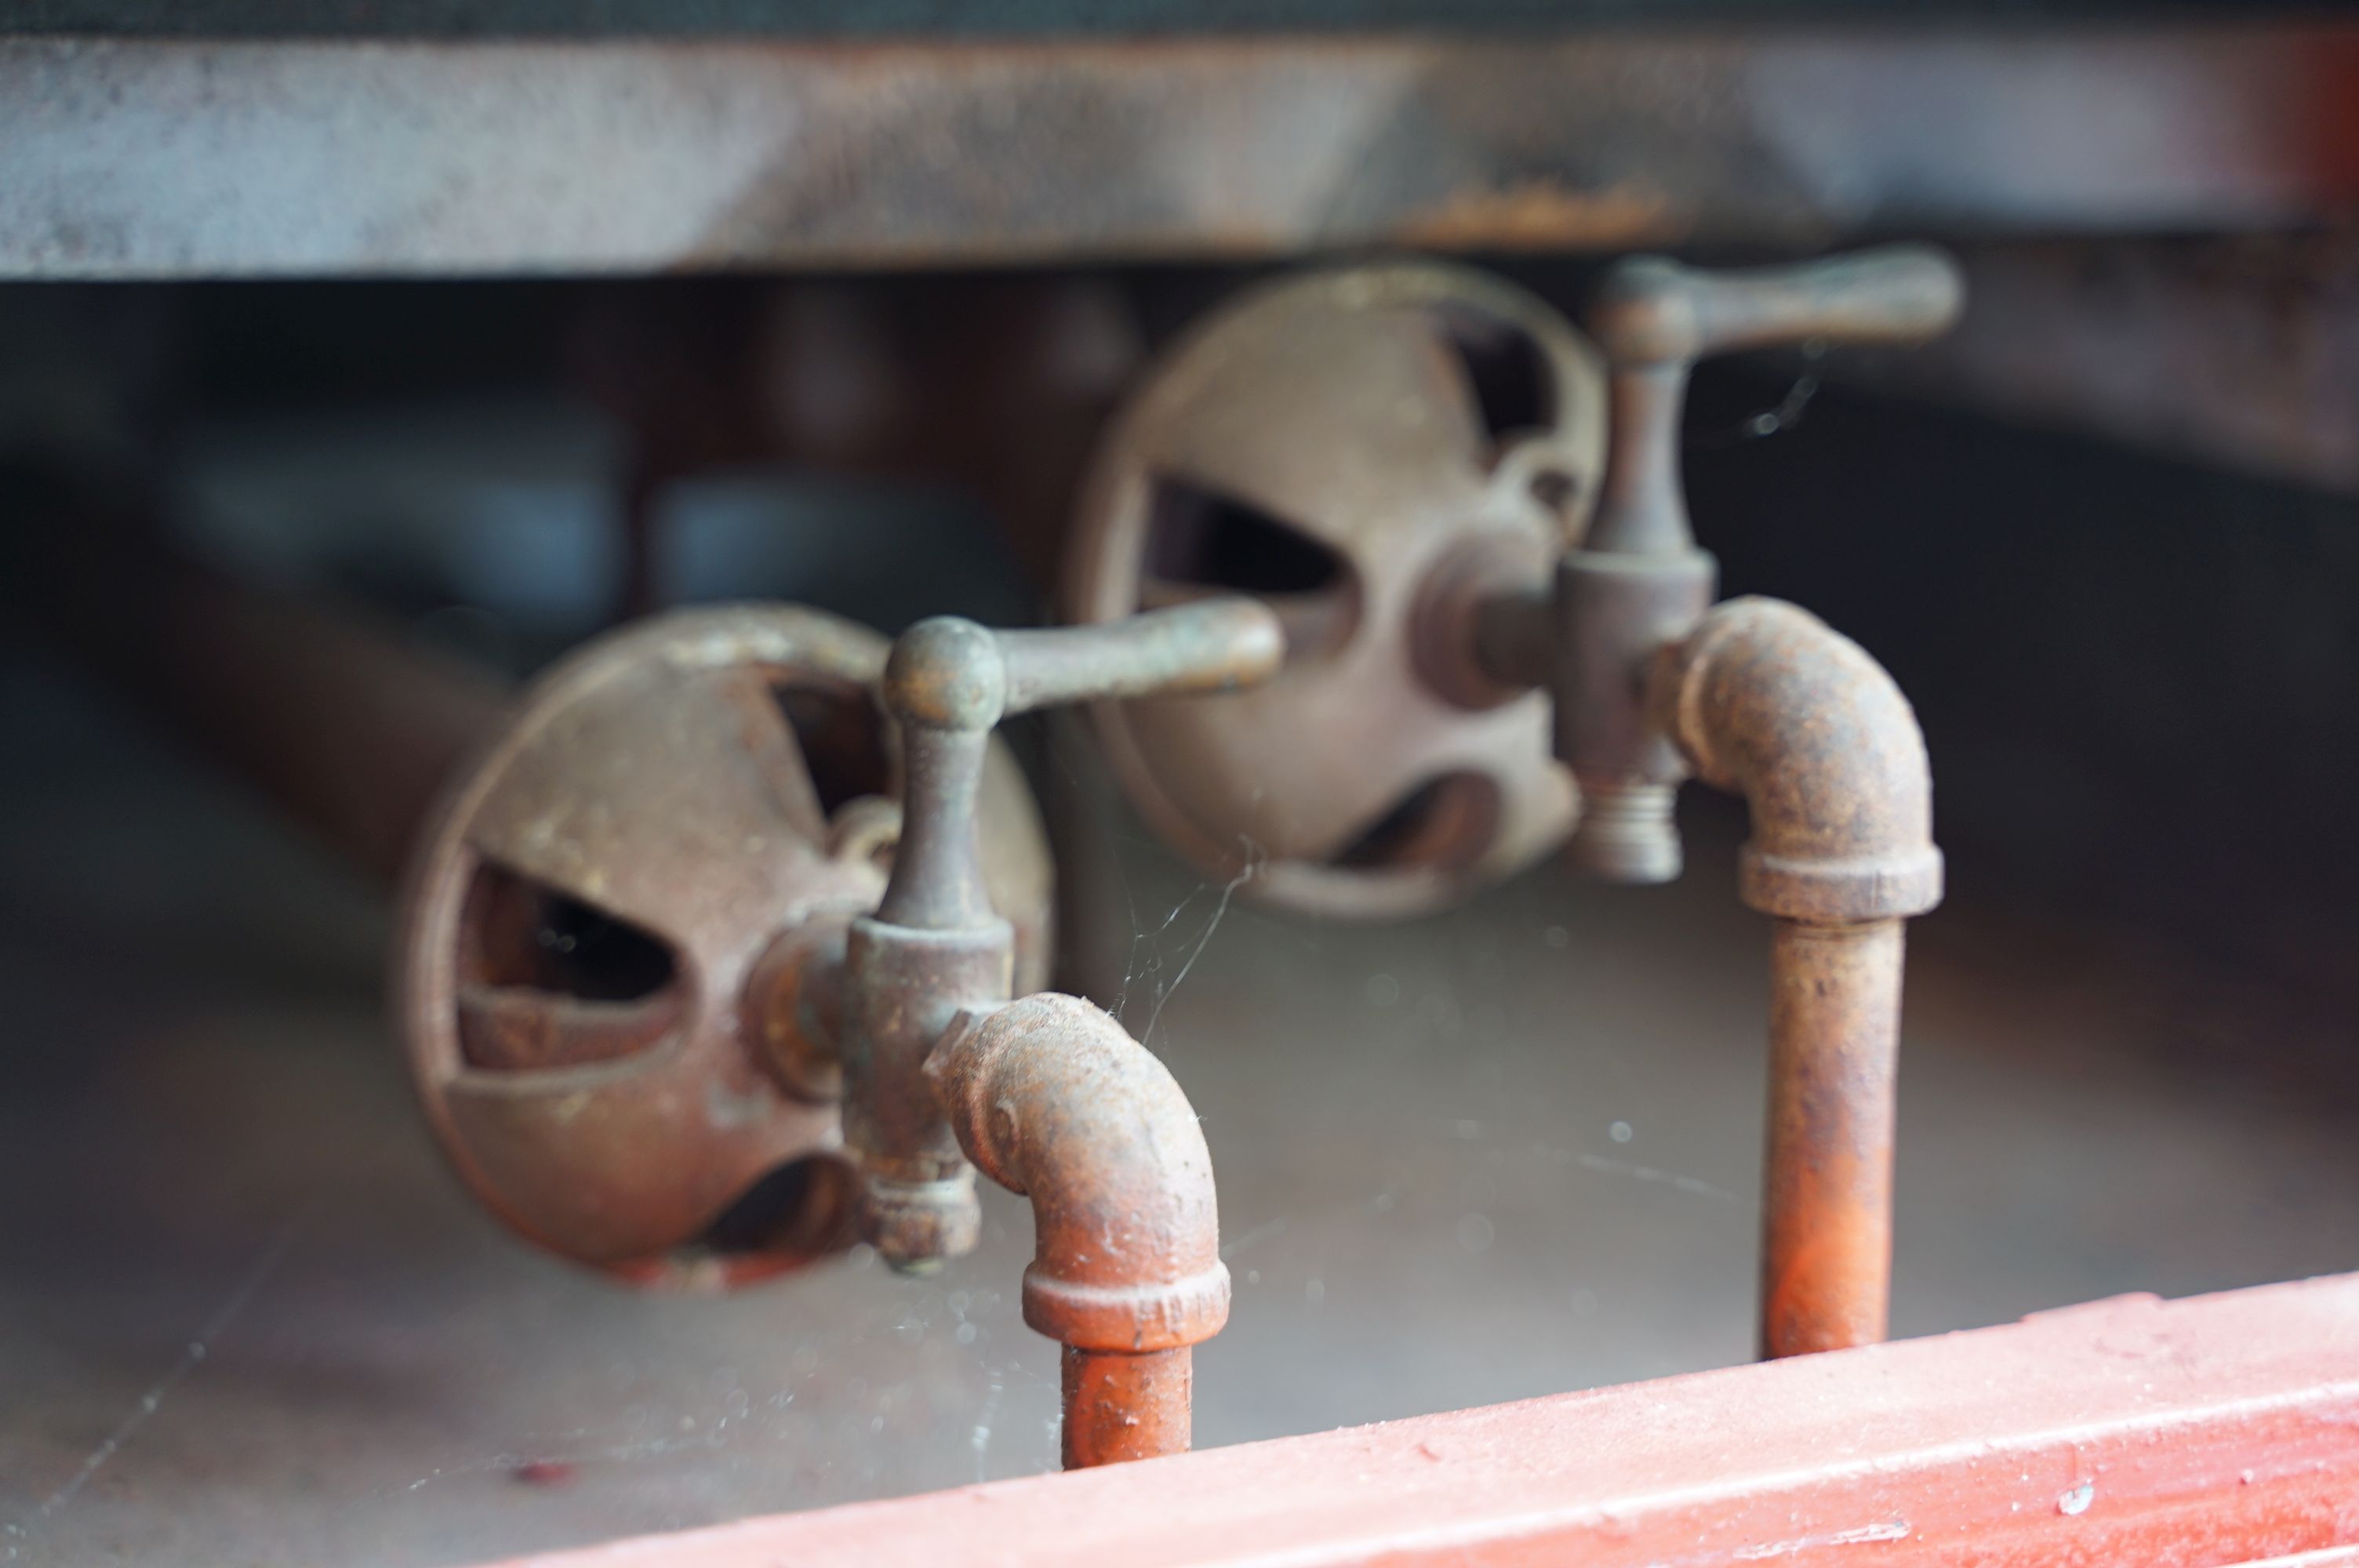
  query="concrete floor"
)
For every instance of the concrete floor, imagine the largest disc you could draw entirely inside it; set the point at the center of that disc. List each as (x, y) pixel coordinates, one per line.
(246, 1318)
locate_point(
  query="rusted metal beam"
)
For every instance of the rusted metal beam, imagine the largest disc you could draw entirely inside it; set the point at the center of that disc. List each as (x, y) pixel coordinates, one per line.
(2219, 1430)
(201, 157)
(974, 18)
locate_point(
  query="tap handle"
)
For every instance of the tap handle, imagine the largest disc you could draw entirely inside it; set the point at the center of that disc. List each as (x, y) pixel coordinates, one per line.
(1212, 644)
(949, 673)
(1655, 317)
(1653, 311)
(949, 681)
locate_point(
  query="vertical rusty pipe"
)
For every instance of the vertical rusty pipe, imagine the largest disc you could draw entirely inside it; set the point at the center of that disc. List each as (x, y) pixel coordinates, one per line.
(1834, 1041)
(1121, 1405)
(1765, 700)
(1052, 1100)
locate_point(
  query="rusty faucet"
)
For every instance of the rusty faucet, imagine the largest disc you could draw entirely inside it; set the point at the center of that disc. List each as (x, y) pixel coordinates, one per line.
(1652, 683)
(773, 996)
(1047, 1095)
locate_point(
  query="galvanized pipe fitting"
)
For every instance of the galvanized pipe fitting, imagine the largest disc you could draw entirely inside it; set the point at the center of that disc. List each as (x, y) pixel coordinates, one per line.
(1052, 1100)
(1768, 702)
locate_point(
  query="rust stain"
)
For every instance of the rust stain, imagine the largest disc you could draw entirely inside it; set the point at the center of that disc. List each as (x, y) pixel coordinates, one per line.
(1540, 214)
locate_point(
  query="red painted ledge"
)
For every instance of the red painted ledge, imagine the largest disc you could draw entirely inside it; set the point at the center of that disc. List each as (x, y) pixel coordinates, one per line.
(2220, 1429)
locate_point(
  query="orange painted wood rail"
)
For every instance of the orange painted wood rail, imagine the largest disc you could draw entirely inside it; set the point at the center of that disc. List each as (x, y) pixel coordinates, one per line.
(2217, 1430)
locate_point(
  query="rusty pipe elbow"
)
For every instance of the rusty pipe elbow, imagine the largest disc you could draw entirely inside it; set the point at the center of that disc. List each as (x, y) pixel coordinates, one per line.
(1767, 701)
(1052, 1100)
